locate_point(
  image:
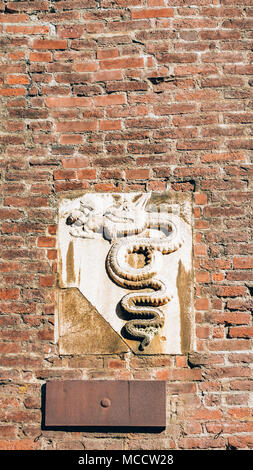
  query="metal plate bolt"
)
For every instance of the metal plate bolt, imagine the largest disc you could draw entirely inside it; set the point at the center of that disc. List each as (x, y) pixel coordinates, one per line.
(105, 403)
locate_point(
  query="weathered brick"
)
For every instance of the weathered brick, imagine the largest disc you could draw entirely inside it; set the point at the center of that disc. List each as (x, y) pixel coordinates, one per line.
(243, 263)
(122, 63)
(77, 162)
(9, 293)
(76, 126)
(46, 242)
(70, 31)
(231, 291)
(241, 332)
(19, 444)
(86, 173)
(27, 30)
(13, 18)
(152, 13)
(65, 102)
(109, 100)
(49, 44)
(128, 95)
(46, 281)
(137, 174)
(110, 125)
(41, 57)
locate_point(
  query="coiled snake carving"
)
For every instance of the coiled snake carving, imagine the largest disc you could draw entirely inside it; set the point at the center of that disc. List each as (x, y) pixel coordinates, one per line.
(133, 230)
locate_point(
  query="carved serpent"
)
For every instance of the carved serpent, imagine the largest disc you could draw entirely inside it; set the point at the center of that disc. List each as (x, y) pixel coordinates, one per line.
(144, 306)
(131, 222)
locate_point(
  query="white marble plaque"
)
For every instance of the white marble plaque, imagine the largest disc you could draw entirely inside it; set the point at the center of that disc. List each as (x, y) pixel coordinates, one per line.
(130, 256)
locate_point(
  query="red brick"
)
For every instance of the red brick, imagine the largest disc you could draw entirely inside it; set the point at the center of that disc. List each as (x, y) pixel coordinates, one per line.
(19, 55)
(203, 277)
(222, 157)
(41, 57)
(110, 125)
(8, 430)
(64, 174)
(201, 304)
(17, 80)
(107, 187)
(65, 102)
(46, 281)
(107, 53)
(12, 91)
(76, 126)
(40, 5)
(20, 444)
(49, 44)
(109, 100)
(48, 242)
(26, 201)
(96, 27)
(86, 67)
(241, 413)
(137, 174)
(27, 30)
(243, 263)
(7, 213)
(10, 266)
(232, 345)
(202, 443)
(156, 186)
(109, 75)
(231, 318)
(47, 335)
(122, 63)
(194, 120)
(13, 18)
(9, 293)
(200, 249)
(231, 291)
(241, 332)
(52, 254)
(239, 442)
(116, 364)
(205, 414)
(87, 173)
(9, 348)
(72, 31)
(155, 3)
(77, 162)
(152, 13)
(176, 58)
(202, 332)
(70, 139)
(200, 198)
(216, 277)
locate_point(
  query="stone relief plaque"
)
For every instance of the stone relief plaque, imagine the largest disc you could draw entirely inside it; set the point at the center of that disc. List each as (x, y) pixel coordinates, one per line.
(125, 276)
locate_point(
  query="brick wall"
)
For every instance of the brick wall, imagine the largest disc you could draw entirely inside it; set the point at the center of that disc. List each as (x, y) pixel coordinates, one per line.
(124, 95)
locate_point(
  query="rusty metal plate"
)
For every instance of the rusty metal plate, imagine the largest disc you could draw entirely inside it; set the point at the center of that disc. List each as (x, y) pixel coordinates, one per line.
(106, 403)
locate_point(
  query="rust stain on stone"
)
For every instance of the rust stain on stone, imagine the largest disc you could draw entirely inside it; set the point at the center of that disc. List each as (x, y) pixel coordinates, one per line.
(136, 260)
(82, 330)
(59, 269)
(184, 279)
(71, 278)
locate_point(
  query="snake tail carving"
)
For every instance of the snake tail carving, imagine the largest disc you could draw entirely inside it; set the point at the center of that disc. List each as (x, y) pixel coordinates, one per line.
(143, 306)
(131, 229)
